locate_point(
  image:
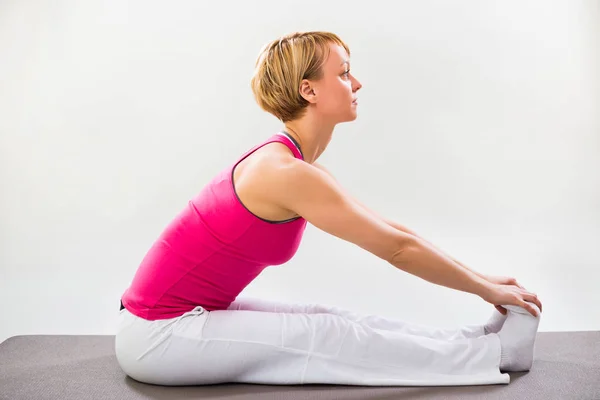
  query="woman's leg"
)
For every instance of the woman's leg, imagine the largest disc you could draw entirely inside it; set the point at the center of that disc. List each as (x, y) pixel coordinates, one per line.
(298, 348)
(373, 321)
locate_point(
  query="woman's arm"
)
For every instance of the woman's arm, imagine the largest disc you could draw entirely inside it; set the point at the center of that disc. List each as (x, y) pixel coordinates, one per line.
(314, 195)
(405, 229)
(398, 226)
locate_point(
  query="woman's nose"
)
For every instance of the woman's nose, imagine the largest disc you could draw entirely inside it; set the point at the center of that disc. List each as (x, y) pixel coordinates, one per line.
(357, 85)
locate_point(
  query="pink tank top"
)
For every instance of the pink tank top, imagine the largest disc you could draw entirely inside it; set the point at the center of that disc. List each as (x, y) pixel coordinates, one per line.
(211, 250)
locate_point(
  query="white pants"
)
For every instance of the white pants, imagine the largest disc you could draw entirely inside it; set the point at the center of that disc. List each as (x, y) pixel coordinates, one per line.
(266, 342)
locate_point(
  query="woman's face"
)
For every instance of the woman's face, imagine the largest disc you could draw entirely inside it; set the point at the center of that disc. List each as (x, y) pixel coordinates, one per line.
(335, 92)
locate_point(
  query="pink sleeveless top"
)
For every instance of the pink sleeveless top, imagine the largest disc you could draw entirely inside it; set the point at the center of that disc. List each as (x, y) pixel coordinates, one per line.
(211, 250)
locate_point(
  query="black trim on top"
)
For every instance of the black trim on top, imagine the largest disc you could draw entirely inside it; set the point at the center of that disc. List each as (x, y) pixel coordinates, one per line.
(296, 143)
(243, 205)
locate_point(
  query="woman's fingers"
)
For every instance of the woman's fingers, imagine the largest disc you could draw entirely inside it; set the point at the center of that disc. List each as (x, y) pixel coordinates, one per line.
(529, 308)
(534, 299)
(530, 297)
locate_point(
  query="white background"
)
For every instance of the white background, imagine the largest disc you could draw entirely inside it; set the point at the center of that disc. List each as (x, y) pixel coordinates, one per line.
(478, 128)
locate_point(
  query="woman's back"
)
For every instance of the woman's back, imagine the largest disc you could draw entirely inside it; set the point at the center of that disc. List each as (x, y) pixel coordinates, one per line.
(214, 247)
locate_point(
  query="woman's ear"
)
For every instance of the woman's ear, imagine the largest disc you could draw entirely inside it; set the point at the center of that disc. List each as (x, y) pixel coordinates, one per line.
(307, 91)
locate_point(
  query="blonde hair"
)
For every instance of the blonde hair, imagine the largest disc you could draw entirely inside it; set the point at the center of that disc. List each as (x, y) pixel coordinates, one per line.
(282, 65)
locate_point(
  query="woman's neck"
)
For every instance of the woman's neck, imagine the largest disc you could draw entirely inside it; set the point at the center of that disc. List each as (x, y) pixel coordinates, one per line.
(312, 141)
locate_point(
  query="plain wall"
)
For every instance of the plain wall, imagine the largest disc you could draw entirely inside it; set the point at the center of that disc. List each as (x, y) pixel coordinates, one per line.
(478, 127)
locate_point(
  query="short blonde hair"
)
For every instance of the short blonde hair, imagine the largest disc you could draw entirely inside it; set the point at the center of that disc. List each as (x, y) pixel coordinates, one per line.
(282, 65)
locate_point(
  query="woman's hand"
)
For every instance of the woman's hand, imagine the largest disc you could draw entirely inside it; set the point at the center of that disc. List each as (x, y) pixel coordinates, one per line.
(510, 294)
(503, 280)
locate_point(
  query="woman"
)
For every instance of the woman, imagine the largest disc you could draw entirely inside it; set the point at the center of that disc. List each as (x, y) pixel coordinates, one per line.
(181, 323)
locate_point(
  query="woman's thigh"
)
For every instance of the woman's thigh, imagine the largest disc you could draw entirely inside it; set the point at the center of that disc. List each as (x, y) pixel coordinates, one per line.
(371, 320)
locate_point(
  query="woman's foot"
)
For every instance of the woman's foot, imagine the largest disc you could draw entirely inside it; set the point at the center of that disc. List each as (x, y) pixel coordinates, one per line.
(517, 338)
(495, 322)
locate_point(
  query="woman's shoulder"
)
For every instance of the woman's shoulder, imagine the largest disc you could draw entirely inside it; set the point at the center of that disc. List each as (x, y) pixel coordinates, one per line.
(270, 156)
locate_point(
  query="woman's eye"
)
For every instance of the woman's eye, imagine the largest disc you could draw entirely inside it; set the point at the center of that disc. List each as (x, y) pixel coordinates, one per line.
(346, 72)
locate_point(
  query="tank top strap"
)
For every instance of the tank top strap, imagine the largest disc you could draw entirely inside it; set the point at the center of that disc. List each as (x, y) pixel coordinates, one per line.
(280, 137)
(291, 143)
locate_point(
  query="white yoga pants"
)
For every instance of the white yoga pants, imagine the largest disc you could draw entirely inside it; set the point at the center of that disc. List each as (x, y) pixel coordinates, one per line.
(266, 342)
